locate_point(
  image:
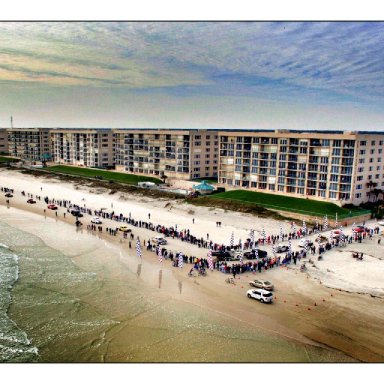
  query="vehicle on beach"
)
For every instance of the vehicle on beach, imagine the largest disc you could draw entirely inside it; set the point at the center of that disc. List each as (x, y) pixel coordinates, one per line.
(8, 194)
(52, 206)
(77, 213)
(124, 228)
(282, 248)
(31, 201)
(159, 240)
(260, 294)
(222, 255)
(359, 229)
(264, 284)
(302, 243)
(252, 254)
(96, 220)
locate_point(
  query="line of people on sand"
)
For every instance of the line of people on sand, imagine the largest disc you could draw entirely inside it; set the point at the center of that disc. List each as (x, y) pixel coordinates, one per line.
(185, 234)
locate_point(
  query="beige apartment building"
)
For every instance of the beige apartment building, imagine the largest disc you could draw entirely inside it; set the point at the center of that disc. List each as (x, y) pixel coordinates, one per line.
(328, 166)
(180, 154)
(31, 144)
(82, 147)
(3, 141)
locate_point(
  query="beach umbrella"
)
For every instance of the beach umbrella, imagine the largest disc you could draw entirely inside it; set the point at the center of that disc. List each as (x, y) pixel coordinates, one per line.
(232, 240)
(180, 265)
(160, 255)
(210, 262)
(325, 223)
(281, 233)
(138, 247)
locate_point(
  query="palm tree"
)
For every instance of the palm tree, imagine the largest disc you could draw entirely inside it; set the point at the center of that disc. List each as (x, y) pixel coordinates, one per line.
(371, 184)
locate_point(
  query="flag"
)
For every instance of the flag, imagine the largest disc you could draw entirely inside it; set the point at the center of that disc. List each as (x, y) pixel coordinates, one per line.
(263, 235)
(241, 254)
(290, 246)
(319, 237)
(294, 228)
(273, 250)
(180, 260)
(316, 223)
(232, 240)
(306, 245)
(138, 247)
(336, 223)
(252, 236)
(281, 233)
(210, 262)
(256, 253)
(342, 236)
(160, 254)
(304, 228)
(325, 225)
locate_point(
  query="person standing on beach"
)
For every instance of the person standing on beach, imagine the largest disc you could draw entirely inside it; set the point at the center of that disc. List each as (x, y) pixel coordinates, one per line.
(193, 220)
(149, 216)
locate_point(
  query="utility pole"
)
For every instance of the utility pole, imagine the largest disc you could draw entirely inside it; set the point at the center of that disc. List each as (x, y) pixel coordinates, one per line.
(11, 122)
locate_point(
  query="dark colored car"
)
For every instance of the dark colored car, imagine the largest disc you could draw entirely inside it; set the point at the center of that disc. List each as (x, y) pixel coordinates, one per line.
(31, 201)
(222, 256)
(252, 254)
(76, 213)
(8, 195)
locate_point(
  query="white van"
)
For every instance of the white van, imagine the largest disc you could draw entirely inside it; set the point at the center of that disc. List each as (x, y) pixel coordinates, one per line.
(262, 295)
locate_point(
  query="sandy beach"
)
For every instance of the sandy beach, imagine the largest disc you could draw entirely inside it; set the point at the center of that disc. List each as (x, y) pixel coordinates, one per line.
(333, 312)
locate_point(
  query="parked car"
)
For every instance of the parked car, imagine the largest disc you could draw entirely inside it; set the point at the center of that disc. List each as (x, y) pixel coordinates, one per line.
(359, 229)
(76, 212)
(8, 194)
(252, 254)
(31, 201)
(264, 284)
(260, 294)
(159, 240)
(380, 222)
(302, 243)
(222, 255)
(124, 228)
(52, 206)
(96, 220)
(282, 248)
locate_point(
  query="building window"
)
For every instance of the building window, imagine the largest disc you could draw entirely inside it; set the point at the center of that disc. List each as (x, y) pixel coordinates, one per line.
(358, 195)
(363, 143)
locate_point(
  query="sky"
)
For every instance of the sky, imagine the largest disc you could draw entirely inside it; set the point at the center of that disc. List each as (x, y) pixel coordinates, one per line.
(246, 75)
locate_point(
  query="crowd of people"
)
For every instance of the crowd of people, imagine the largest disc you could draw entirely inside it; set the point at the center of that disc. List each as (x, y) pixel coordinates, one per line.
(185, 235)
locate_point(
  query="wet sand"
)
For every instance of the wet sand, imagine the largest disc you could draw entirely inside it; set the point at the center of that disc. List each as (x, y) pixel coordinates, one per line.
(171, 317)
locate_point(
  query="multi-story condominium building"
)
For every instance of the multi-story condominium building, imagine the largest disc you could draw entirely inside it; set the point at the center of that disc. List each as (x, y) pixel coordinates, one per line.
(3, 141)
(83, 147)
(29, 143)
(175, 153)
(331, 166)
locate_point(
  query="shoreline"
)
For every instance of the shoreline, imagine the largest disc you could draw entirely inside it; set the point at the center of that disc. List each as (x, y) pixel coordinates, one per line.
(287, 319)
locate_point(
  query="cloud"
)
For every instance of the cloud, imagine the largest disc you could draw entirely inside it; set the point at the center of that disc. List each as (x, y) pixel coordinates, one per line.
(315, 61)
